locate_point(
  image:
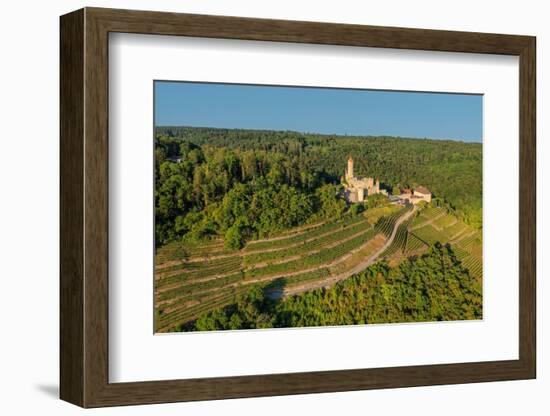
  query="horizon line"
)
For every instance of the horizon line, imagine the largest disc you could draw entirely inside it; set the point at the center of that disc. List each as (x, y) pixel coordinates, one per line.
(326, 134)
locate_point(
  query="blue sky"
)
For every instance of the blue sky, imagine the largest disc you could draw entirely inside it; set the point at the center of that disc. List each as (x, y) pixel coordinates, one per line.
(319, 110)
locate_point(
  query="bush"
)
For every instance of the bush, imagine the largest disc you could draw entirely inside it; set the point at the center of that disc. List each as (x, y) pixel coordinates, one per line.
(357, 209)
(234, 237)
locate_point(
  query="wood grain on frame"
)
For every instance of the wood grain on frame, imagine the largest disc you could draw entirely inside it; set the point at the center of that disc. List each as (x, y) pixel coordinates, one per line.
(84, 207)
(71, 213)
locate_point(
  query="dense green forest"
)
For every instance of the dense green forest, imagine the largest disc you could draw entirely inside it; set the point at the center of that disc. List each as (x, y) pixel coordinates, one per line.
(431, 287)
(243, 184)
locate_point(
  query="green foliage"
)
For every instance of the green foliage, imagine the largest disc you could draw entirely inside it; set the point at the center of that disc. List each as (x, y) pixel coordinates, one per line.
(356, 209)
(450, 169)
(213, 161)
(376, 200)
(201, 193)
(279, 180)
(235, 235)
(330, 204)
(246, 313)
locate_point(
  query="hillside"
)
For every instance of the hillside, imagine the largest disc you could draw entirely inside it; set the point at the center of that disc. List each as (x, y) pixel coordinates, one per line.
(245, 215)
(452, 170)
(192, 281)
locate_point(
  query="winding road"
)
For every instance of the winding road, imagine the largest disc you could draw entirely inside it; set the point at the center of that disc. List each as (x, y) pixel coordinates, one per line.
(358, 268)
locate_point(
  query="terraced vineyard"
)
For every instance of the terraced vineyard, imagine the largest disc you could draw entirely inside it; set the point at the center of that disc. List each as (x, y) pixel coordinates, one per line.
(414, 244)
(193, 279)
(399, 243)
(311, 243)
(385, 225)
(434, 225)
(430, 226)
(427, 214)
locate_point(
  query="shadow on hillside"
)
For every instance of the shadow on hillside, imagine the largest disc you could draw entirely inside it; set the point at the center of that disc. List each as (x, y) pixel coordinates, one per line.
(275, 290)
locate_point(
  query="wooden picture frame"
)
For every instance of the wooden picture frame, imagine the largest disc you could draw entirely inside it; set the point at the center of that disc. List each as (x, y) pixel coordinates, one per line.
(84, 207)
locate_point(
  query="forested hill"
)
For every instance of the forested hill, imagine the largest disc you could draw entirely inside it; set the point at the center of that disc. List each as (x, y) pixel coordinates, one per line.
(452, 170)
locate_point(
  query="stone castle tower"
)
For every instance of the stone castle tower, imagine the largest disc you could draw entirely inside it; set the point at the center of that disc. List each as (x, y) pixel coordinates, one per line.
(349, 171)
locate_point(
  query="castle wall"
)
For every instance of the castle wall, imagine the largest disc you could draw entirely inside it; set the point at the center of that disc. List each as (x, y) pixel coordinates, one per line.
(425, 197)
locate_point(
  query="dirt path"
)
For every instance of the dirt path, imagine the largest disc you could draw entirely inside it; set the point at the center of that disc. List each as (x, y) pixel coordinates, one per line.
(356, 269)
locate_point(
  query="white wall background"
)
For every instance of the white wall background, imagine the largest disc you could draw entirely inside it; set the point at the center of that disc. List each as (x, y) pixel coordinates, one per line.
(29, 159)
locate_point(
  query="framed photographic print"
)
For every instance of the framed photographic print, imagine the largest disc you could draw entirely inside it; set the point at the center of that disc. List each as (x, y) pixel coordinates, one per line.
(255, 207)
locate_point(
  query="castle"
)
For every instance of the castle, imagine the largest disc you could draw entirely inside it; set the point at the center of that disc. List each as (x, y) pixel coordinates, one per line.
(357, 188)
